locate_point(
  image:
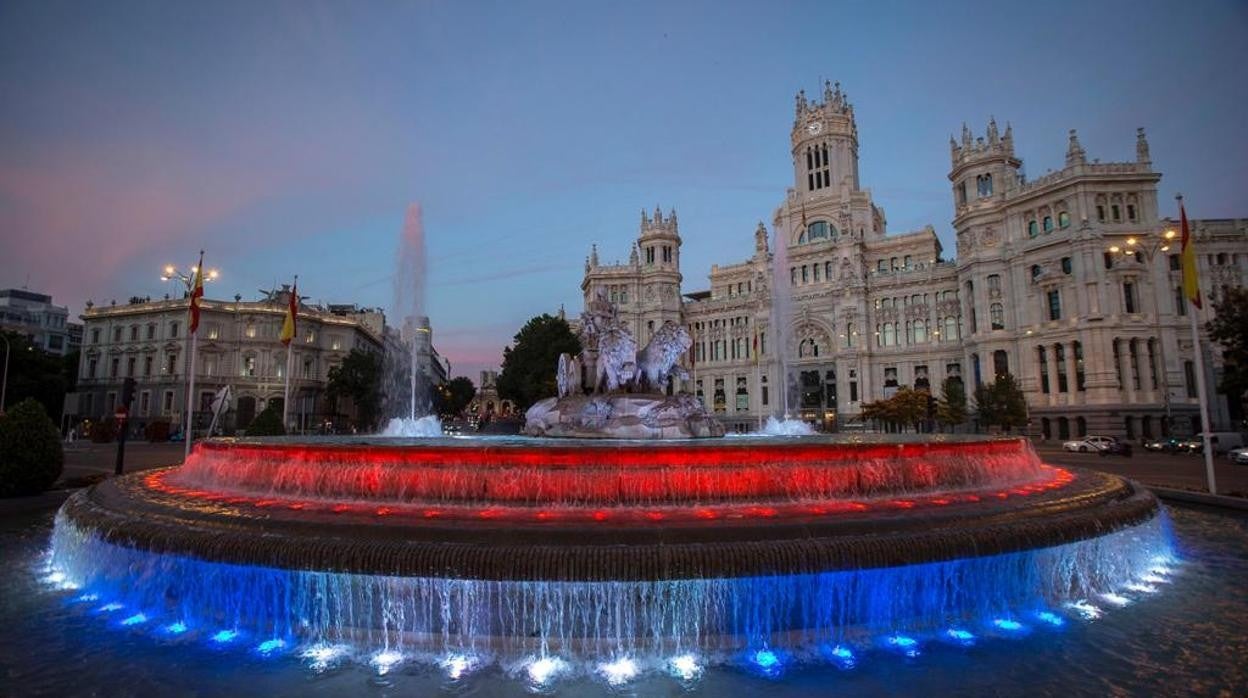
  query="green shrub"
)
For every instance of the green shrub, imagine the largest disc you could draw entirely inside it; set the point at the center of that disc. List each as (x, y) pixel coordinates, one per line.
(267, 423)
(31, 458)
(156, 432)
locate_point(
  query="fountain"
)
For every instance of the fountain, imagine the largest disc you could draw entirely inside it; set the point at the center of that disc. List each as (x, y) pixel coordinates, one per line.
(416, 336)
(604, 555)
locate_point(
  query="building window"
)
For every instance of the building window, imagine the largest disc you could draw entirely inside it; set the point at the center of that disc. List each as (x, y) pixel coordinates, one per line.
(1128, 296)
(1131, 212)
(1000, 363)
(249, 366)
(134, 333)
(1063, 219)
(1100, 213)
(145, 403)
(1189, 378)
(1176, 264)
(1063, 428)
(819, 230)
(996, 313)
(1079, 373)
(147, 365)
(1055, 304)
(130, 363)
(116, 334)
(171, 365)
(1180, 301)
(1115, 212)
(994, 283)
(95, 336)
(151, 331)
(983, 185)
(1036, 271)
(1059, 358)
(1066, 265)
(1133, 355)
(1048, 224)
(970, 305)
(92, 365)
(805, 276)
(1152, 361)
(1081, 426)
(115, 366)
(214, 331)
(173, 329)
(1044, 369)
(1032, 229)
(1118, 364)
(920, 331)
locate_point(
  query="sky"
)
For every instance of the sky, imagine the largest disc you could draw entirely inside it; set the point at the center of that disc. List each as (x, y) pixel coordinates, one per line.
(290, 137)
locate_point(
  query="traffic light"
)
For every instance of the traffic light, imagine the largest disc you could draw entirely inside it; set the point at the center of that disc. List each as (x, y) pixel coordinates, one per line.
(127, 392)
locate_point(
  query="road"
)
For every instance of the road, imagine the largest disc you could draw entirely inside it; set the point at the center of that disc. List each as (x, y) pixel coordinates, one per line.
(84, 459)
(1178, 471)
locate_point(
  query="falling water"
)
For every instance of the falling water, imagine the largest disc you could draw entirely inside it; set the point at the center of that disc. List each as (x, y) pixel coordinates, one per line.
(781, 309)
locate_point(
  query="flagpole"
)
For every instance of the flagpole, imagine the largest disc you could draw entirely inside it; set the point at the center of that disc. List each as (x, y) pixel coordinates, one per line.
(188, 433)
(1201, 391)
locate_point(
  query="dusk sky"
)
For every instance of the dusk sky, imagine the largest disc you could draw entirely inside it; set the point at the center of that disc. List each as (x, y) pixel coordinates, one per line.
(290, 138)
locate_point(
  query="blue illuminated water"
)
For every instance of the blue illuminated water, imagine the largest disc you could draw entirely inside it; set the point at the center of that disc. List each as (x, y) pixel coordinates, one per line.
(1188, 637)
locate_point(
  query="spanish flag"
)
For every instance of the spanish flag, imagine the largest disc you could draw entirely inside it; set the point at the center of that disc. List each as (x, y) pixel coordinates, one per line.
(1191, 280)
(292, 310)
(197, 292)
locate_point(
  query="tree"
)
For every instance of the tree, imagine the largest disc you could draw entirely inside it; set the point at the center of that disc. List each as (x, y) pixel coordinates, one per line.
(31, 457)
(268, 422)
(1229, 328)
(358, 378)
(951, 409)
(452, 398)
(37, 374)
(529, 364)
(906, 408)
(1001, 404)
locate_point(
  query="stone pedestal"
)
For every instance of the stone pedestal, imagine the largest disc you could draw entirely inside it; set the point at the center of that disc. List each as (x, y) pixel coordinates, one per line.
(621, 416)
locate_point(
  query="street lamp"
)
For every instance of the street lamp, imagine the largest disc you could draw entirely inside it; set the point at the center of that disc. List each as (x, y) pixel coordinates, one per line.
(1148, 249)
(170, 273)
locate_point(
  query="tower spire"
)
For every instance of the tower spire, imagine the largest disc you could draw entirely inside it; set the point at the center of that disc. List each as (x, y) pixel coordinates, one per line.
(1075, 154)
(1141, 147)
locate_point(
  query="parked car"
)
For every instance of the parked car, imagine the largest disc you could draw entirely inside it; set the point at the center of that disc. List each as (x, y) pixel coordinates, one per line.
(1088, 444)
(1222, 442)
(1238, 456)
(1170, 445)
(1117, 448)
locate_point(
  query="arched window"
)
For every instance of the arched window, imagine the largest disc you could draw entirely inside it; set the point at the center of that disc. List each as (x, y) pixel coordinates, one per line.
(1046, 429)
(1063, 219)
(1032, 229)
(890, 334)
(1036, 270)
(1048, 224)
(1081, 426)
(950, 333)
(920, 331)
(1000, 363)
(819, 230)
(996, 313)
(983, 185)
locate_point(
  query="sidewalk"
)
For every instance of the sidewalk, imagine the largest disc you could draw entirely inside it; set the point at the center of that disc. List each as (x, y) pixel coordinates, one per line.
(84, 459)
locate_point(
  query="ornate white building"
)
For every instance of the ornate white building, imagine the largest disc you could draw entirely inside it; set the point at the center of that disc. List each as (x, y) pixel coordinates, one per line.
(1068, 282)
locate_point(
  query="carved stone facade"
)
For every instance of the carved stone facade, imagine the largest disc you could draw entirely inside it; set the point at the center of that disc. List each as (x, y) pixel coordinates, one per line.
(1035, 290)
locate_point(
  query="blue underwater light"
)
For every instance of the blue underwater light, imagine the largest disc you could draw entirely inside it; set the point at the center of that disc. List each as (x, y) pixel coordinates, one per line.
(136, 619)
(1051, 618)
(224, 636)
(1008, 624)
(176, 628)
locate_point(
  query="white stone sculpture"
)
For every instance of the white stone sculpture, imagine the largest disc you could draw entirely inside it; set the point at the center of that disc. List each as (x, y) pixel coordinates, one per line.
(617, 355)
(568, 375)
(660, 357)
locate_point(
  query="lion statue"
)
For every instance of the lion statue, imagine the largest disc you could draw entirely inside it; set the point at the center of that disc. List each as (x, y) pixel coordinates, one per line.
(659, 359)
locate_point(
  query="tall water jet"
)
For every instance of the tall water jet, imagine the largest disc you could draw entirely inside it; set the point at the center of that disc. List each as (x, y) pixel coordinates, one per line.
(781, 309)
(412, 419)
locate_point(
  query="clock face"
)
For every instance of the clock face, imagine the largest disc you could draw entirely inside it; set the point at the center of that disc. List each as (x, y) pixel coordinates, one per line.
(814, 127)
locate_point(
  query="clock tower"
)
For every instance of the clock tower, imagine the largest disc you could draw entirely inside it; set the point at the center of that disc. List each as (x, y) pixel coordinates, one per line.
(825, 143)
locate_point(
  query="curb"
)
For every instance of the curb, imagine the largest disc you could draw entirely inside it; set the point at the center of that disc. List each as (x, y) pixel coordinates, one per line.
(1215, 500)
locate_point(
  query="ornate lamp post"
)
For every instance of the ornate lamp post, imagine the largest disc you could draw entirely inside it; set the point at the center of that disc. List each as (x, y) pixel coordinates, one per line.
(1147, 248)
